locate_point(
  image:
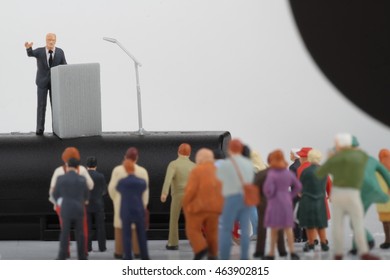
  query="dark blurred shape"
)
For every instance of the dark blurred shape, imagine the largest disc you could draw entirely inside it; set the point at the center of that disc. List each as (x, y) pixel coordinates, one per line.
(350, 42)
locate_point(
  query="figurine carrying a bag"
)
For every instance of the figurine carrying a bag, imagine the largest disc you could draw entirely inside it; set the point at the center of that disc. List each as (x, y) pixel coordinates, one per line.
(251, 191)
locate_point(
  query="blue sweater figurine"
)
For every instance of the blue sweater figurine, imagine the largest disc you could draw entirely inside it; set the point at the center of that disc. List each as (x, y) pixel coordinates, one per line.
(132, 211)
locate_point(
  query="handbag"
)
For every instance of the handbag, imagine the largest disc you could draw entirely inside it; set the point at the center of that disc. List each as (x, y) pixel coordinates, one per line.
(251, 191)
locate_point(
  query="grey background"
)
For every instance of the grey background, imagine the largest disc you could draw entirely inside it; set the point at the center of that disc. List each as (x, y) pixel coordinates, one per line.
(219, 65)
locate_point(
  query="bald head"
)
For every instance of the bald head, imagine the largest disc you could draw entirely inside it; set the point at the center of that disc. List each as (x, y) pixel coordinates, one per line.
(51, 40)
(204, 155)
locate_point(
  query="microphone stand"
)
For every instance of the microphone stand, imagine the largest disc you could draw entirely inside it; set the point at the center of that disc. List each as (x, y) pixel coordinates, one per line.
(141, 130)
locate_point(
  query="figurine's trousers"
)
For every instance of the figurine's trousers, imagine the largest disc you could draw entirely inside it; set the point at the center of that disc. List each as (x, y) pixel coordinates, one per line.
(176, 205)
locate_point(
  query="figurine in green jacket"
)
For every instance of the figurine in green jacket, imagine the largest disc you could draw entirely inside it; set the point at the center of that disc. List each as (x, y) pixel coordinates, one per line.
(175, 181)
(371, 192)
(347, 167)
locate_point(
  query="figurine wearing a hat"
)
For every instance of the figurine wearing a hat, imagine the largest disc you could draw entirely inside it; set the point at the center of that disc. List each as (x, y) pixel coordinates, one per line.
(312, 212)
(295, 159)
(302, 154)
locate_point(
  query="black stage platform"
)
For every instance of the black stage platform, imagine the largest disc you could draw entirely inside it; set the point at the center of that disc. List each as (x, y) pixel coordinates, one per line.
(28, 161)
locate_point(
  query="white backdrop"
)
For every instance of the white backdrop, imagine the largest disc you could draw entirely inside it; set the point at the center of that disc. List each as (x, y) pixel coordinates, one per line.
(236, 65)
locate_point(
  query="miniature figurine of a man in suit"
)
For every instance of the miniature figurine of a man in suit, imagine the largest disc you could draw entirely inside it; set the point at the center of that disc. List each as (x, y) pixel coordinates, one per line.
(47, 57)
(71, 192)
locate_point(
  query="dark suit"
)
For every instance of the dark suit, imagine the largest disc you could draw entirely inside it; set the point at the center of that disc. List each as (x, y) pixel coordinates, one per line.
(43, 81)
(73, 190)
(132, 210)
(299, 232)
(294, 167)
(95, 209)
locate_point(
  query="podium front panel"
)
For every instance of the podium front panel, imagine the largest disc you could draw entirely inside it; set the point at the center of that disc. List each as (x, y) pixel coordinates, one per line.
(76, 100)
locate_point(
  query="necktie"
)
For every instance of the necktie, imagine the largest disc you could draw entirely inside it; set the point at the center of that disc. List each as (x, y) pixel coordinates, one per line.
(50, 58)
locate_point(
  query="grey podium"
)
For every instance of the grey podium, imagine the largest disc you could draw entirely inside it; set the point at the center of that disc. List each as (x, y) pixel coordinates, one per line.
(76, 100)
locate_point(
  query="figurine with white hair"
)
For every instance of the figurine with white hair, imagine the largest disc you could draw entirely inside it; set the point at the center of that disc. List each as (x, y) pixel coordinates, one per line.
(347, 167)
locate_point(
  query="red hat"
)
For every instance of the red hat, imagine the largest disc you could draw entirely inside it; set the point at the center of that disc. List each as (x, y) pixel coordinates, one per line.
(304, 152)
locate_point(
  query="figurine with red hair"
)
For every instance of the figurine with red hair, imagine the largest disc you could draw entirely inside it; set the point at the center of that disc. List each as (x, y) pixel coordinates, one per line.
(384, 208)
(176, 178)
(279, 212)
(70, 152)
(234, 208)
(132, 211)
(119, 172)
(71, 193)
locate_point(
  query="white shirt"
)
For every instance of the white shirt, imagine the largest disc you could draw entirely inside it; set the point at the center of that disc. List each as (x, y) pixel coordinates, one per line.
(48, 55)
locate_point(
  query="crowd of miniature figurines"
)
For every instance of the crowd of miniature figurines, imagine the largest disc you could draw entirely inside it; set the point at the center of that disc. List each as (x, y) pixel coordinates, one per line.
(293, 206)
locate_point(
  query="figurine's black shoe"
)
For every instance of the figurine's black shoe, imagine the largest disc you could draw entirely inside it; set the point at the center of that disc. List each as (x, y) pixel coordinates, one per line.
(258, 255)
(385, 245)
(168, 247)
(202, 254)
(308, 247)
(353, 252)
(324, 247)
(283, 254)
(294, 256)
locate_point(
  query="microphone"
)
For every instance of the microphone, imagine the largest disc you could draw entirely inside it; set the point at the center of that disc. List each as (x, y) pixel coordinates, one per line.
(112, 40)
(141, 130)
(115, 41)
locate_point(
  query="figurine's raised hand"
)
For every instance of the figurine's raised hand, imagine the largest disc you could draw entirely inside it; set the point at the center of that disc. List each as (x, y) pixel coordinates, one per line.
(28, 45)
